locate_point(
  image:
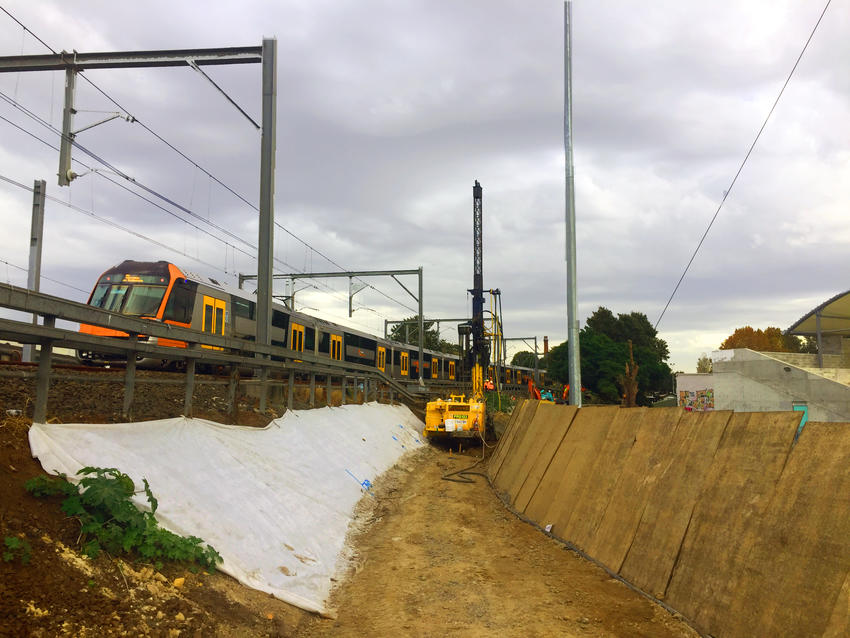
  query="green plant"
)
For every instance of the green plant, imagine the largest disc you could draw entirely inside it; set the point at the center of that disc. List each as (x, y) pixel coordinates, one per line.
(111, 522)
(17, 547)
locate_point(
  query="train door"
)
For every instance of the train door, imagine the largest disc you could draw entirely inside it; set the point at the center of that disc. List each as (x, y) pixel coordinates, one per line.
(213, 318)
(336, 347)
(296, 337)
(382, 358)
(405, 363)
(451, 370)
(435, 367)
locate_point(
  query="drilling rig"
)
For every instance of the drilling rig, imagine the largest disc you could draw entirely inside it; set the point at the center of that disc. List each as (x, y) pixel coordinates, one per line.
(461, 417)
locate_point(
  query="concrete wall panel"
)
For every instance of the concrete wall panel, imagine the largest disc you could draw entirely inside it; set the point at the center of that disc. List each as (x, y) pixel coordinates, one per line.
(606, 469)
(668, 510)
(795, 563)
(565, 478)
(515, 431)
(738, 489)
(634, 486)
(511, 475)
(551, 425)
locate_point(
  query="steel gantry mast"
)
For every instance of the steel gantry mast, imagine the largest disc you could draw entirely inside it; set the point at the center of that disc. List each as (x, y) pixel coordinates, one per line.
(74, 62)
(479, 356)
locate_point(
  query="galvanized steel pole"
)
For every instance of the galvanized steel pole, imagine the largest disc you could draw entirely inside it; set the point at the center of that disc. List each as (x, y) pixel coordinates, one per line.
(265, 244)
(572, 297)
(39, 190)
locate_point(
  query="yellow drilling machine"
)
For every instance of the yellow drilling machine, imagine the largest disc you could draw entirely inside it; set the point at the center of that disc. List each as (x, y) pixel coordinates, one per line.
(459, 417)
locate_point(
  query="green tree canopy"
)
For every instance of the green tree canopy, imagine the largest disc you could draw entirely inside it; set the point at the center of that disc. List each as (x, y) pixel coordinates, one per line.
(524, 359)
(605, 351)
(409, 333)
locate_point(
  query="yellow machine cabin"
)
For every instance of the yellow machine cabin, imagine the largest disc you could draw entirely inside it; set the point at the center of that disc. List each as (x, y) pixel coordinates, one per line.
(455, 417)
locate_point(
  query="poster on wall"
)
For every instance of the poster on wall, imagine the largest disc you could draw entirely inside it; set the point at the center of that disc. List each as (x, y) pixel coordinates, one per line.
(697, 400)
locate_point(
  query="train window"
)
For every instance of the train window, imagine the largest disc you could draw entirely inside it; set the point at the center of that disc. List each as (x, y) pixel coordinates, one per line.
(382, 358)
(336, 347)
(324, 342)
(280, 319)
(310, 339)
(405, 363)
(219, 319)
(507, 376)
(181, 302)
(296, 338)
(435, 367)
(241, 307)
(451, 370)
(208, 317)
(213, 321)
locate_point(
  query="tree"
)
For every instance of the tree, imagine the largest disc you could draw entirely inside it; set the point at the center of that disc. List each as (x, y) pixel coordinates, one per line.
(770, 339)
(605, 353)
(629, 380)
(704, 364)
(524, 359)
(400, 332)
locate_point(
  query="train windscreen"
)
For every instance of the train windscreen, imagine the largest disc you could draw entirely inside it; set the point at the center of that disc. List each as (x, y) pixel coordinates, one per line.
(128, 299)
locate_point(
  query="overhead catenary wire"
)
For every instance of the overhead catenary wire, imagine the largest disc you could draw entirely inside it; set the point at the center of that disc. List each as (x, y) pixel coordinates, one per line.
(149, 201)
(196, 164)
(329, 290)
(55, 281)
(743, 163)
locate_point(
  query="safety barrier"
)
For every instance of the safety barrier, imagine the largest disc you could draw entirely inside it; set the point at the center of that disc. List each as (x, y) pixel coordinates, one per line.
(718, 515)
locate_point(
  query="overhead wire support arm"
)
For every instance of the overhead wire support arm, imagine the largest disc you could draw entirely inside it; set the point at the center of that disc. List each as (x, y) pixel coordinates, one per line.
(223, 92)
(360, 273)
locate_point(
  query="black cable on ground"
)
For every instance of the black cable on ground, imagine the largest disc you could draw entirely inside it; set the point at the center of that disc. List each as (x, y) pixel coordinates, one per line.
(463, 475)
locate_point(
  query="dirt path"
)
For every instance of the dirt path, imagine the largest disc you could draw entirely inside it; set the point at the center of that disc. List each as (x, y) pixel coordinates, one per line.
(441, 558)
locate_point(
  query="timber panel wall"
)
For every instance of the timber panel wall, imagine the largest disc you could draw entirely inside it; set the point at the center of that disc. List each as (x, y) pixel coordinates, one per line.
(719, 514)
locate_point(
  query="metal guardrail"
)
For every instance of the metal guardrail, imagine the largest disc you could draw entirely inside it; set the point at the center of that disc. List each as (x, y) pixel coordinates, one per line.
(220, 351)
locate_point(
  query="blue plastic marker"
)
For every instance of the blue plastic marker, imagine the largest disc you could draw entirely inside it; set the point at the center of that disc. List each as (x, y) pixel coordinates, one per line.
(365, 484)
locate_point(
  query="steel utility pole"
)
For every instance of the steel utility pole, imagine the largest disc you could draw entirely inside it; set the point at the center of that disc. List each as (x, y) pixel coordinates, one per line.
(265, 245)
(572, 297)
(39, 190)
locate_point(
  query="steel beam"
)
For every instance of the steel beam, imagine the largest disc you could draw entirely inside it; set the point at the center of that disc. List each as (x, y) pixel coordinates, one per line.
(129, 59)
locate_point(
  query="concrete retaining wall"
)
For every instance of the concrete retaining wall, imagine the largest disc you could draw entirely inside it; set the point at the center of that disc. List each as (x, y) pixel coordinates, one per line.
(719, 514)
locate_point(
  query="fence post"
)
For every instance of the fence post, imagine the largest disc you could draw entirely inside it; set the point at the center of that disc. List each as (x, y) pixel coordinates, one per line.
(312, 390)
(232, 391)
(45, 354)
(130, 378)
(291, 391)
(328, 391)
(343, 390)
(190, 384)
(264, 378)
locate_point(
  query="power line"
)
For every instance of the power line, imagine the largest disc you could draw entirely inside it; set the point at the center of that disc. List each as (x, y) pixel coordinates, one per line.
(329, 289)
(198, 166)
(55, 281)
(109, 222)
(743, 163)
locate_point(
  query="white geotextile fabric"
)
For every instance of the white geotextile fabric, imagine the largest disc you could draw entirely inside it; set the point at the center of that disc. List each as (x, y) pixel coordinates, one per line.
(275, 502)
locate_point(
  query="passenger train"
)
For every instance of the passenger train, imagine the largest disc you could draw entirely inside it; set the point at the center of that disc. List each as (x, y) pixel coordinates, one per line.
(160, 291)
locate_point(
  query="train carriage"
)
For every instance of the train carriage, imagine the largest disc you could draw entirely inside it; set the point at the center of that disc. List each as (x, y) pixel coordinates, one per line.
(161, 291)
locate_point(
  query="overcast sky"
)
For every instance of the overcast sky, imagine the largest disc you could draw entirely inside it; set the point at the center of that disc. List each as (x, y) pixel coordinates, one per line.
(389, 110)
